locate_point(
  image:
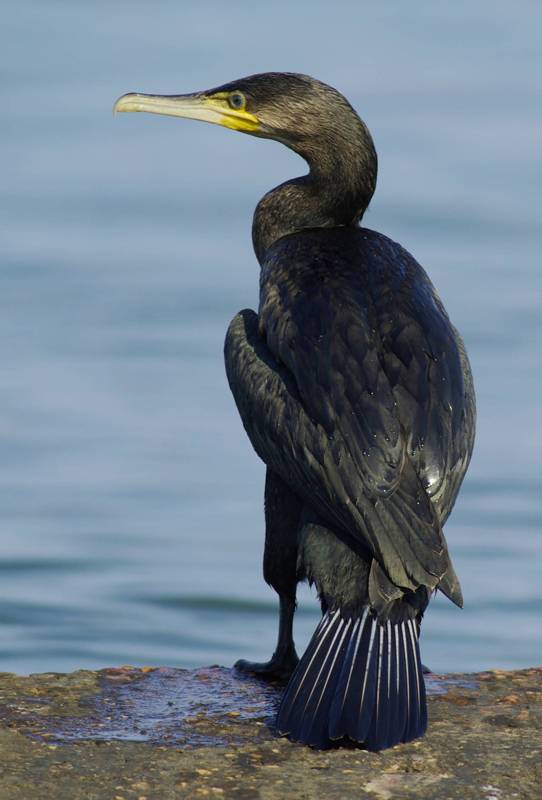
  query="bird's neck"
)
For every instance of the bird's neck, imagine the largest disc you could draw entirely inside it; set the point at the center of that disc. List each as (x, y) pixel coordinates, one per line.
(336, 191)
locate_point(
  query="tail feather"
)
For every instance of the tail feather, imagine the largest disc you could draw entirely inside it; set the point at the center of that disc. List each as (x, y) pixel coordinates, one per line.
(417, 685)
(358, 679)
(362, 690)
(380, 723)
(316, 711)
(400, 686)
(349, 707)
(412, 717)
(299, 694)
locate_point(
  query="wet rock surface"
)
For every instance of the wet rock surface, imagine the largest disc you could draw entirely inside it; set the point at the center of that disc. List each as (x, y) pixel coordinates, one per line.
(142, 734)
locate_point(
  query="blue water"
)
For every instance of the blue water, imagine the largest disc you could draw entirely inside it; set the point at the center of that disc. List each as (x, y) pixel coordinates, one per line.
(131, 502)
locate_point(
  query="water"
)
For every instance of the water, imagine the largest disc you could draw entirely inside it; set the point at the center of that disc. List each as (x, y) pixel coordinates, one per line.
(131, 502)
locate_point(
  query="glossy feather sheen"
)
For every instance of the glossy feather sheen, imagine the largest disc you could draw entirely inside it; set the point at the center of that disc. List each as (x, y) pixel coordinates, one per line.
(351, 684)
(355, 390)
(333, 418)
(387, 373)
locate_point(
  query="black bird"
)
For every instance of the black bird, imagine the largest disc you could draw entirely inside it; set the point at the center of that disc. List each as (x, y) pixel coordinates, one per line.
(355, 390)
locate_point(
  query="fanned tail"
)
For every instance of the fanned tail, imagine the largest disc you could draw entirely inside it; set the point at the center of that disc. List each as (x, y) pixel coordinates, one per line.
(358, 679)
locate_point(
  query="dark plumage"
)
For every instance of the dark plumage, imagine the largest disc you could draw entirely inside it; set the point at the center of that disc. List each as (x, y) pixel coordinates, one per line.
(355, 390)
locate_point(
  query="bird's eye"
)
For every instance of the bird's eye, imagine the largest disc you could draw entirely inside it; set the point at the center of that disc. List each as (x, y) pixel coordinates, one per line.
(237, 100)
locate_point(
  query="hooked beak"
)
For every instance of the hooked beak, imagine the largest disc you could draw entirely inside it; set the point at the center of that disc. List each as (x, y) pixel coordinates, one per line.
(207, 108)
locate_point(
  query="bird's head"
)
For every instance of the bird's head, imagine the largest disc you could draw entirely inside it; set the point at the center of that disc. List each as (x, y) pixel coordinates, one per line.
(297, 110)
(309, 117)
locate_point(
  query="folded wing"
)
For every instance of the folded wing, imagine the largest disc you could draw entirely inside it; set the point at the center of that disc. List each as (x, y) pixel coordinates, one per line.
(376, 498)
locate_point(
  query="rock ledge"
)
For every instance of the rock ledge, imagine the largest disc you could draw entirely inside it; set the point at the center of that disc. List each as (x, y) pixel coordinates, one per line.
(154, 734)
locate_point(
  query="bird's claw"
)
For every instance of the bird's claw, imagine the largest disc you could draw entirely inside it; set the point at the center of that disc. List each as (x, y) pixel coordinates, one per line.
(274, 669)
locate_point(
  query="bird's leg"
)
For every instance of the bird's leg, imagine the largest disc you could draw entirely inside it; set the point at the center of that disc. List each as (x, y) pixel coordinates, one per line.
(282, 515)
(284, 660)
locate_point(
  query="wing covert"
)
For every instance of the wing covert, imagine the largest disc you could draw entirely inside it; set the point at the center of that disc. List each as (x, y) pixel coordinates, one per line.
(408, 546)
(350, 384)
(316, 330)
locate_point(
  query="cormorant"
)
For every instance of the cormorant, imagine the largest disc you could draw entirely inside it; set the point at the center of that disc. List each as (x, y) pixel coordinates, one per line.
(355, 390)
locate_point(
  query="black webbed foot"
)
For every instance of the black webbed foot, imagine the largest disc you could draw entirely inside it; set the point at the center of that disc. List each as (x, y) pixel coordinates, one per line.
(277, 668)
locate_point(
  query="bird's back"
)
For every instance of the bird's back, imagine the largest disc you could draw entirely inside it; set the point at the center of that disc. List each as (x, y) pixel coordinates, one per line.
(358, 287)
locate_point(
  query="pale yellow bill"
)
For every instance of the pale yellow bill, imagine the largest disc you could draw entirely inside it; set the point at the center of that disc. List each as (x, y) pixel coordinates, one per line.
(212, 108)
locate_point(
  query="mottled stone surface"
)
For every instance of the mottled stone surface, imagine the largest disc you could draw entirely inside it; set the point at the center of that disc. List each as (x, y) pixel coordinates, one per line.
(146, 734)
